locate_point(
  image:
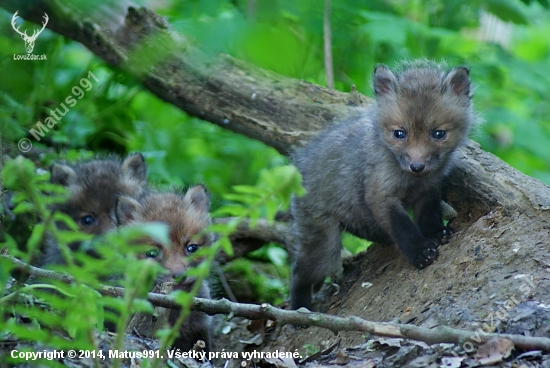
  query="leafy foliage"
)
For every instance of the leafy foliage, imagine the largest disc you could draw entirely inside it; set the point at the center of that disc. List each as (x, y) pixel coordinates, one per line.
(74, 310)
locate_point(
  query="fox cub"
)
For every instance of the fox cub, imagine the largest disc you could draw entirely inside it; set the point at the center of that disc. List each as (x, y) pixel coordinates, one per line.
(363, 174)
(94, 187)
(186, 217)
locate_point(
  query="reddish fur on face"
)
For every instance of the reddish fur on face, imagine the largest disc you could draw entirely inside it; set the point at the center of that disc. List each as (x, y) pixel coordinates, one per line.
(186, 218)
(420, 103)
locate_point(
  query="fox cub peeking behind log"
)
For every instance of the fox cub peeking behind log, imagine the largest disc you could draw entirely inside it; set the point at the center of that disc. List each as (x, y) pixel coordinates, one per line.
(363, 174)
(186, 218)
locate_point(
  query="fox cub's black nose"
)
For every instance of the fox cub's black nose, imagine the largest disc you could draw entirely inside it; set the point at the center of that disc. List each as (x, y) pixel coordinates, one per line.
(417, 167)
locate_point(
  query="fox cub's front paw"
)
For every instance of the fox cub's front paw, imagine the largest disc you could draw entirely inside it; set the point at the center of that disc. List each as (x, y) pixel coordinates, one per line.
(426, 253)
(445, 235)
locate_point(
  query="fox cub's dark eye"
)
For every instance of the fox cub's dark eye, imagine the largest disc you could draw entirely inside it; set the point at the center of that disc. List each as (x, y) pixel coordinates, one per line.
(153, 253)
(192, 248)
(87, 220)
(399, 134)
(439, 134)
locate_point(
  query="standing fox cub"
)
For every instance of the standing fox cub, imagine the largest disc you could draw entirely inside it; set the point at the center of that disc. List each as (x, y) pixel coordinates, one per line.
(186, 217)
(364, 174)
(94, 187)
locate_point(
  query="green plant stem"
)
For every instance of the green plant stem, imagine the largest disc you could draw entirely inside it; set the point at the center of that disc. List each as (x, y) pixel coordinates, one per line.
(123, 320)
(186, 309)
(30, 287)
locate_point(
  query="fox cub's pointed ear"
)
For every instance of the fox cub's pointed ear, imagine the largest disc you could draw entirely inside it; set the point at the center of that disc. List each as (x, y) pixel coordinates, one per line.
(127, 210)
(134, 167)
(384, 81)
(62, 175)
(459, 81)
(197, 197)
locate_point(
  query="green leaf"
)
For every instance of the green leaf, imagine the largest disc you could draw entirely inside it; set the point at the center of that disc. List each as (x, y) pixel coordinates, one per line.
(10, 244)
(247, 189)
(100, 314)
(37, 235)
(385, 27)
(182, 297)
(70, 236)
(242, 198)
(23, 207)
(142, 305)
(508, 10)
(225, 228)
(66, 220)
(229, 210)
(271, 209)
(277, 256)
(16, 172)
(225, 245)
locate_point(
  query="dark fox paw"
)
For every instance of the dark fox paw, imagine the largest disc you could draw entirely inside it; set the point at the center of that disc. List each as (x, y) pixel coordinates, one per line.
(445, 235)
(426, 254)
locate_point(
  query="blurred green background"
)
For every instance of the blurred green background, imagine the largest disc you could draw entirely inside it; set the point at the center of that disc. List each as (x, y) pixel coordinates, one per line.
(506, 43)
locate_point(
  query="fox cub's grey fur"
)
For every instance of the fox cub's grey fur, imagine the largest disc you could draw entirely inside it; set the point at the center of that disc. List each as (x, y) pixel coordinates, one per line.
(94, 187)
(186, 218)
(363, 174)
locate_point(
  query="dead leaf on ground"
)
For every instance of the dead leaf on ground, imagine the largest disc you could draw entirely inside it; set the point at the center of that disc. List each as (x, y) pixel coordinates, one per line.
(494, 351)
(394, 342)
(255, 340)
(451, 362)
(282, 362)
(341, 358)
(319, 354)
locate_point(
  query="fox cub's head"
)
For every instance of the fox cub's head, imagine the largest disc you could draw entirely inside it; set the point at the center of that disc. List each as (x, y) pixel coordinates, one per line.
(94, 188)
(186, 218)
(423, 114)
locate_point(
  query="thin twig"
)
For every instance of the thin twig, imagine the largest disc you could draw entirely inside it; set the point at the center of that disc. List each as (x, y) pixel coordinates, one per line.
(441, 334)
(226, 286)
(327, 38)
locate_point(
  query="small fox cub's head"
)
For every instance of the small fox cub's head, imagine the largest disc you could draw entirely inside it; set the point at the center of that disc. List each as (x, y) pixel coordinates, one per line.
(94, 188)
(186, 218)
(423, 114)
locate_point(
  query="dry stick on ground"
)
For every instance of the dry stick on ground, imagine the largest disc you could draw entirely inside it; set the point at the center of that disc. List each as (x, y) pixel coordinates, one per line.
(283, 317)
